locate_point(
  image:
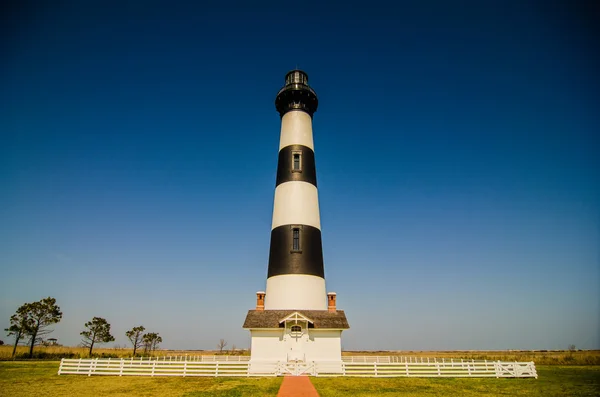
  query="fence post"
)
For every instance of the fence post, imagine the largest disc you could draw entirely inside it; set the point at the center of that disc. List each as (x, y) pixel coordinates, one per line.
(121, 369)
(217, 369)
(498, 369)
(375, 366)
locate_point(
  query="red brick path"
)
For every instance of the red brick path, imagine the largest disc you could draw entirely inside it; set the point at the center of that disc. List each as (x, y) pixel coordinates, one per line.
(297, 386)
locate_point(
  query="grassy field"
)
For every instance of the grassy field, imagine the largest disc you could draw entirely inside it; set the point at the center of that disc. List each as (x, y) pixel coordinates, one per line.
(39, 378)
(555, 357)
(58, 352)
(553, 381)
(550, 357)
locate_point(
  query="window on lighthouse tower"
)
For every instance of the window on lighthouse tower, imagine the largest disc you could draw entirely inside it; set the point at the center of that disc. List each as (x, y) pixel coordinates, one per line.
(297, 161)
(296, 239)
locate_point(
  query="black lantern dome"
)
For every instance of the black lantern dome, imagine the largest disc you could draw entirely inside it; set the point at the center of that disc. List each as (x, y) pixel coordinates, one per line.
(296, 94)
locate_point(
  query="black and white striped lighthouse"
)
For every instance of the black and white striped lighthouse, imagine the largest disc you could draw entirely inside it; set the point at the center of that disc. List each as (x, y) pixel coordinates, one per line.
(295, 277)
(295, 320)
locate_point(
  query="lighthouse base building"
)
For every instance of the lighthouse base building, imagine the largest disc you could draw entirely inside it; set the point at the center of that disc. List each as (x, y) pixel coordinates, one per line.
(295, 320)
(296, 335)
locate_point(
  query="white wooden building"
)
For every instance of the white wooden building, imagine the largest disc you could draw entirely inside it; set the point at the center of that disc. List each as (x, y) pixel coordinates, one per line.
(296, 335)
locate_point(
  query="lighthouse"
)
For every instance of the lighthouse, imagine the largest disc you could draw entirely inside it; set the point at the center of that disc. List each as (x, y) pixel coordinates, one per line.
(295, 319)
(295, 277)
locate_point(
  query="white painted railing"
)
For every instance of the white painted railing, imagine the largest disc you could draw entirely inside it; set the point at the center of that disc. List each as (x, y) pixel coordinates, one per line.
(126, 367)
(408, 359)
(457, 369)
(202, 358)
(451, 369)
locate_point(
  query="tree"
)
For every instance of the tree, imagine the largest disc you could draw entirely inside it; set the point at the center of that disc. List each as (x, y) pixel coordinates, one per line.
(135, 336)
(20, 325)
(98, 331)
(151, 341)
(221, 345)
(42, 314)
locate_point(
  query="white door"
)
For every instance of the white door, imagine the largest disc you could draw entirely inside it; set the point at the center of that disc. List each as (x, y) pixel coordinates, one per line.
(296, 340)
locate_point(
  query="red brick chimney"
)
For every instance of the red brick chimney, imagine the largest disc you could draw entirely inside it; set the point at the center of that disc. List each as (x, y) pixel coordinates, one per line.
(260, 301)
(331, 302)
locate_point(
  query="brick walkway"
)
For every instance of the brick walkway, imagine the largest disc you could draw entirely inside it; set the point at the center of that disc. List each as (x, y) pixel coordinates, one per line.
(297, 386)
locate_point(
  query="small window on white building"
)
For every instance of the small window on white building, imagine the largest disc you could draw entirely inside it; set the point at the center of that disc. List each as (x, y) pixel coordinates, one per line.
(296, 330)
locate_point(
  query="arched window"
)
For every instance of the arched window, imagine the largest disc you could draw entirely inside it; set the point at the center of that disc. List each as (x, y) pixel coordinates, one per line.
(296, 330)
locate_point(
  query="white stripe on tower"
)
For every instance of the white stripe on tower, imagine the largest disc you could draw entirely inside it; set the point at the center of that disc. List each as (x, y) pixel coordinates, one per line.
(296, 276)
(296, 129)
(296, 203)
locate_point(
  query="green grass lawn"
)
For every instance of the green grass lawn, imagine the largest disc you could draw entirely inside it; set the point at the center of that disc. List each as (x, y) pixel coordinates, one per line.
(40, 379)
(552, 381)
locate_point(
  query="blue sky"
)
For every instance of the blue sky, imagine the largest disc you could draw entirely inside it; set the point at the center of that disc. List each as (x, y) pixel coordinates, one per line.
(456, 148)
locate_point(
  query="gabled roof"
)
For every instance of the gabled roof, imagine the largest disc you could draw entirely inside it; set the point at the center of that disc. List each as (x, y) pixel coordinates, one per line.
(295, 316)
(321, 319)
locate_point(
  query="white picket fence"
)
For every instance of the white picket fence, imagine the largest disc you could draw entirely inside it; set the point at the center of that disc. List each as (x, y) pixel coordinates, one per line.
(127, 367)
(393, 359)
(371, 367)
(200, 358)
(456, 369)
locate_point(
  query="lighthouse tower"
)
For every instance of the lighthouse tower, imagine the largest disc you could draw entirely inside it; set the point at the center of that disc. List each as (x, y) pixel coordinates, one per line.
(295, 278)
(295, 319)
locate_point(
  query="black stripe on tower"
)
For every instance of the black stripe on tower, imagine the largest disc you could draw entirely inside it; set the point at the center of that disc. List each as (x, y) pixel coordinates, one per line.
(296, 163)
(296, 249)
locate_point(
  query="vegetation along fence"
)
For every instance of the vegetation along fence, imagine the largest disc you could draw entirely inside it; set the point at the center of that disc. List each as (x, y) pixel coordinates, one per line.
(358, 367)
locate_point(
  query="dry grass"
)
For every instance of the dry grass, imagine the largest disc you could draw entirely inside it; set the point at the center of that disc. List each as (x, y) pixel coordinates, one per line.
(555, 357)
(39, 378)
(554, 380)
(58, 352)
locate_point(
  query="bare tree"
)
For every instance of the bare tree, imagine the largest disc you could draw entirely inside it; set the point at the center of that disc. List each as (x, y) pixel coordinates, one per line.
(135, 336)
(98, 331)
(221, 345)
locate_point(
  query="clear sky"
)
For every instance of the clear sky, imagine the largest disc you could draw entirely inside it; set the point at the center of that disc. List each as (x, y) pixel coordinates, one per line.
(457, 150)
